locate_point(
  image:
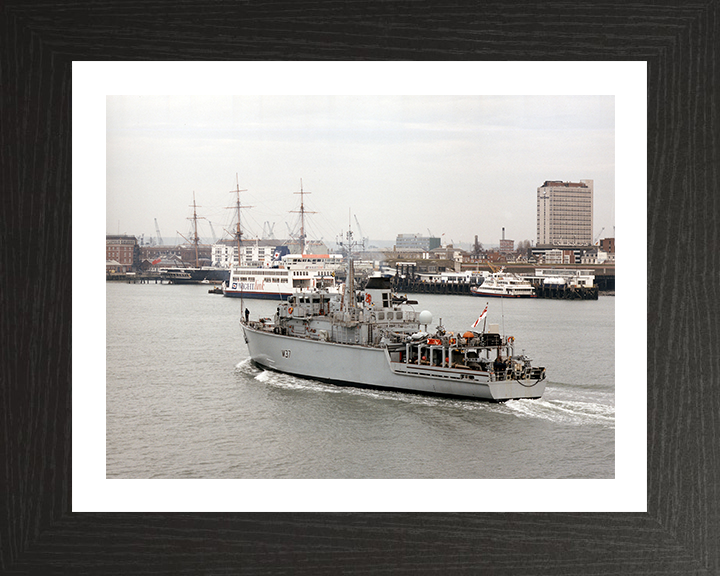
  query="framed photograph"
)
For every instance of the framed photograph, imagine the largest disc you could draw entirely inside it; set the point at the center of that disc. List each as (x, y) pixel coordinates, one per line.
(65, 513)
(403, 155)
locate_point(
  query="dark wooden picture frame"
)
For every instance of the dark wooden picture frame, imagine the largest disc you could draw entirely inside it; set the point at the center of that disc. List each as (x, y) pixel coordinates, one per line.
(38, 531)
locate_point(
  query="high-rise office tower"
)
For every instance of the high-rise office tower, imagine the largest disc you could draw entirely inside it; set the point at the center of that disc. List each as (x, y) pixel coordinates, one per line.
(565, 213)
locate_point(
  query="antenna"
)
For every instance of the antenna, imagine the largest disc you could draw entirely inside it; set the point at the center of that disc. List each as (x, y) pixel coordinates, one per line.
(349, 300)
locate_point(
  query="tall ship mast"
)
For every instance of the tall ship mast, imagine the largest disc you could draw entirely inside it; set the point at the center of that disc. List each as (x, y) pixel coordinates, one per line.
(302, 213)
(285, 274)
(238, 226)
(196, 238)
(194, 274)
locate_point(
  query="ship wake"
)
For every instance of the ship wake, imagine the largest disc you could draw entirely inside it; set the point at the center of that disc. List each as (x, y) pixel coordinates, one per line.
(566, 412)
(289, 382)
(571, 413)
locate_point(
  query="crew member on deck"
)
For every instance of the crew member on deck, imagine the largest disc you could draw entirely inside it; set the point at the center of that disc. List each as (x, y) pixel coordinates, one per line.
(247, 315)
(499, 364)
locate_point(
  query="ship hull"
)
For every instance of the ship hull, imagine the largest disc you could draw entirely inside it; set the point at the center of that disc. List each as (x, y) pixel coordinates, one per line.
(500, 295)
(196, 275)
(365, 366)
(256, 295)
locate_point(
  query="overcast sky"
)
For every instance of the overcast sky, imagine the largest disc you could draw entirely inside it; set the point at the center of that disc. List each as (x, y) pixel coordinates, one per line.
(457, 166)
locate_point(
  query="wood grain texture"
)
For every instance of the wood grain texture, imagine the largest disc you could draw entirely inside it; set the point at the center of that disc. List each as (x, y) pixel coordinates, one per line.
(681, 531)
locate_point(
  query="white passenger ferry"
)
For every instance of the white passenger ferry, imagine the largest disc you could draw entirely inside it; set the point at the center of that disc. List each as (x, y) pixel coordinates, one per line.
(504, 284)
(287, 275)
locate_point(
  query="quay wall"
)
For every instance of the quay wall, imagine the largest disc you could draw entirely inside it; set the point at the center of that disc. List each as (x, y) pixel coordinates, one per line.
(140, 278)
(604, 282)
(557, 292)
(418, 286)
(563, 292)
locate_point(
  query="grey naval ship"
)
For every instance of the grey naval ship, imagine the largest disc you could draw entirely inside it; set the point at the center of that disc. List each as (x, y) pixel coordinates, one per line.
(367, 338)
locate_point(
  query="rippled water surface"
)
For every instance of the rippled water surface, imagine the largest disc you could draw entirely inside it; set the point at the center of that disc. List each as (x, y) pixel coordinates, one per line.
(184, 401)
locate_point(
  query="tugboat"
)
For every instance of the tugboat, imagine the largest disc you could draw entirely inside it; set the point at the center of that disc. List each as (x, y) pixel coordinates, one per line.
(364, 338)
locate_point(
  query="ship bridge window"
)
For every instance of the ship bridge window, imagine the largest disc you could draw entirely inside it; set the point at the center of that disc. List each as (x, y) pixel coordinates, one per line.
(386, 299)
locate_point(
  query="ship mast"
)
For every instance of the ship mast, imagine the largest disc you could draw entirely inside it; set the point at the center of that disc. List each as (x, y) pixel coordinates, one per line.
(238, 227)
(238, 238)
(196, 239)
(302, 213)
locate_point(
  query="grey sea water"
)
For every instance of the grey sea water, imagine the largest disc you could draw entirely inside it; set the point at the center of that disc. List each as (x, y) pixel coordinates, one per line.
(184, 401)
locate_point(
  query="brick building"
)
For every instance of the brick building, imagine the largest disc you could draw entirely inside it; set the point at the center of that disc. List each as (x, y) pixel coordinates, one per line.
(608, 245)
(122, 253)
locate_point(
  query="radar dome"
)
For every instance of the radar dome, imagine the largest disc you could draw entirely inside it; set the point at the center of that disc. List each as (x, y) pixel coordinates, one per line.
(425, 317)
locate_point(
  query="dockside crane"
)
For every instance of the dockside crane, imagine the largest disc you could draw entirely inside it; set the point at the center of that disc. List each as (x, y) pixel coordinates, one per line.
(365, 241)
(268, 230)
(598, 236)
(290, 232)
(159, 236)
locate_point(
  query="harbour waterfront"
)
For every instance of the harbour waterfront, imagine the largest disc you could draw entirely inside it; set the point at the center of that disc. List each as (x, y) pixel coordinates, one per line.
(183, 400)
